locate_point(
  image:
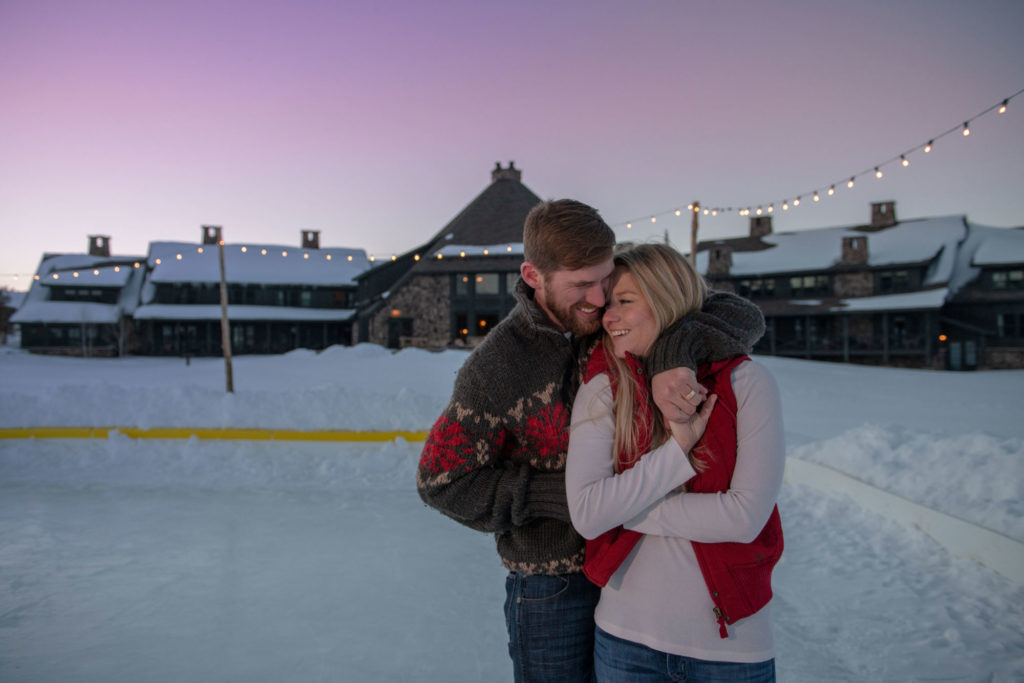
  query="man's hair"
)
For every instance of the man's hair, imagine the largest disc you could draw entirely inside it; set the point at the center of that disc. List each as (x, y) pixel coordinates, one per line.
(564, 234)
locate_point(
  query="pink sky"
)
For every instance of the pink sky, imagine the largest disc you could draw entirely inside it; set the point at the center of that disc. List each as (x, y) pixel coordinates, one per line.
(376, 123)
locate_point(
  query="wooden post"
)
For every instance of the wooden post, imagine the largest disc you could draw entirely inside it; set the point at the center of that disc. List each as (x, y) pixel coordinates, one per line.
(225, 328)
(693, 234)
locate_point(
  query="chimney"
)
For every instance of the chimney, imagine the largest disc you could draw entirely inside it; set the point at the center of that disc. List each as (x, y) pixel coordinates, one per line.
(883, 214)
(719, 260)
(99, 245)
(310, 239)
(760, 226)
(855, 251)
(510, 173)
(211, 234)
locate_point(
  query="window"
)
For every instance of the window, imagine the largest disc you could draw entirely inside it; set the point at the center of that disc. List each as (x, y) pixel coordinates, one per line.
(462, 284)
(809, 285)
(754, 289)
(486, 284)
(1008, 279)
(510, 282)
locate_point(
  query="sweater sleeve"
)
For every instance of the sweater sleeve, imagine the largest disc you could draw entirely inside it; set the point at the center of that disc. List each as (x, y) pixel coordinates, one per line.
(600, 499)
(739, 514)
(728, 325)
(462, 474)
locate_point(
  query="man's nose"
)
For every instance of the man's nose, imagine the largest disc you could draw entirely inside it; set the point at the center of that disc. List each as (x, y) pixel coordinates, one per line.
(595, 296)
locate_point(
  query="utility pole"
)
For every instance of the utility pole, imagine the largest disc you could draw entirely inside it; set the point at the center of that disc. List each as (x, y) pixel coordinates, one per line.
(225, 328)
(693, 233)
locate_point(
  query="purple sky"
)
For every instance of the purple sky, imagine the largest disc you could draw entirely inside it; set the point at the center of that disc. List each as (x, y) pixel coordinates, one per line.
(376, 123)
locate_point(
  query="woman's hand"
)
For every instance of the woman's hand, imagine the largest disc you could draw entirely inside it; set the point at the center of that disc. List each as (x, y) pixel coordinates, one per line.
(688, 433)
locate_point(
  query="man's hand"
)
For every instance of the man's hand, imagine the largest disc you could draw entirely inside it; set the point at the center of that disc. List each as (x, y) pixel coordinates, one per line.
(677, 393)
(688, 434)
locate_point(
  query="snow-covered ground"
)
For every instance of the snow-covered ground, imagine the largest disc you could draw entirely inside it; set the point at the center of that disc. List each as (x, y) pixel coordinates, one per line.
(145, 560)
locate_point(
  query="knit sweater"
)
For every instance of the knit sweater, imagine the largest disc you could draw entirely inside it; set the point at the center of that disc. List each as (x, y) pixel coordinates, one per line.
(495, 458)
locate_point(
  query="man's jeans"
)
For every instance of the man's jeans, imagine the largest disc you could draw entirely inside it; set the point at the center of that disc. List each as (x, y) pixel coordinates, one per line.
(620, 661)
(550, 622)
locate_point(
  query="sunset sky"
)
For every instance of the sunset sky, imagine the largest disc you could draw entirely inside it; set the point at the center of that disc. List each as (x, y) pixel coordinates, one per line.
(377, 122)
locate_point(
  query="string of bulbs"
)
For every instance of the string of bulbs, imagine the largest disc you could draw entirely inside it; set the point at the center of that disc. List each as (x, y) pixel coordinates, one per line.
(829, 189)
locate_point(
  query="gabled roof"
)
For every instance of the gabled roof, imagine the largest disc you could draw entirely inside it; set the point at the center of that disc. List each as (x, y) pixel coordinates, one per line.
(493, 220)
(906, 242)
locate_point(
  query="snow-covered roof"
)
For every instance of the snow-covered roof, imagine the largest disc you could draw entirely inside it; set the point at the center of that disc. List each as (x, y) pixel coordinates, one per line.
(262, 313)
(105, 276)
(67, 312)
(118, 272)
(461, 250)
(256, 264)
(1001, 246)
(911, 241)
(931, 299)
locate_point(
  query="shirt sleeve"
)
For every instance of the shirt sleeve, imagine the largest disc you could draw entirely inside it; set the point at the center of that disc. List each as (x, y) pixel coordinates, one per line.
(600, 499)
(462, 474)
(739, 514)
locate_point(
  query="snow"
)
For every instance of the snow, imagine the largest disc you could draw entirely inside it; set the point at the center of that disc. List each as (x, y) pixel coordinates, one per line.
(239, 312)
(269, 264)
(67, 312)
(927, 300)
(128, 560)
(816, 250)
(1001, 247)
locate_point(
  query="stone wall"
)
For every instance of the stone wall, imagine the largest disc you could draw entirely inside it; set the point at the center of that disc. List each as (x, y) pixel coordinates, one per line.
(1004, 358)
(860, 283)
(425, 299)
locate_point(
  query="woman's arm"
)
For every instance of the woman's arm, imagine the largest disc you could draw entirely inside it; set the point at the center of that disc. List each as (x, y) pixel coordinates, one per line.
(739, 514)
(599, 499)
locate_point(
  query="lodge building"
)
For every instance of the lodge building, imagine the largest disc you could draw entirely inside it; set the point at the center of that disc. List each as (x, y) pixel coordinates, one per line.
(934, 292)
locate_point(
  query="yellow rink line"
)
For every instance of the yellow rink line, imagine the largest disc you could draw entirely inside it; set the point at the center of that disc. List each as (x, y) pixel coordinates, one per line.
(207, 433)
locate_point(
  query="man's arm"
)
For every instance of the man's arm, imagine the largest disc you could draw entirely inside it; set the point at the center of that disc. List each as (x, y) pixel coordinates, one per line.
(728, 325)
(462, 472)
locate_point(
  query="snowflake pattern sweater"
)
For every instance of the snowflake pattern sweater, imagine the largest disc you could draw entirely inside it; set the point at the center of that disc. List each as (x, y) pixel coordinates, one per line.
(495, 459)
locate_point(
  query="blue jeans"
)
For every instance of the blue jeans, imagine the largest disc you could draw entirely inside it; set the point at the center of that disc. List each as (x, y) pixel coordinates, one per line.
(550, 622)
(623, 661)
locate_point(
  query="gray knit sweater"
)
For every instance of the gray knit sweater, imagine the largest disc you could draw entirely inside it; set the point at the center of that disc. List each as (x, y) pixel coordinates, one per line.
(495, 459)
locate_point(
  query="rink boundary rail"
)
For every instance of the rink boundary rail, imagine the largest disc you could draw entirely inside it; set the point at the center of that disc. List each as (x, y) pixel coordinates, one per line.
(960, 537)
(209, 433)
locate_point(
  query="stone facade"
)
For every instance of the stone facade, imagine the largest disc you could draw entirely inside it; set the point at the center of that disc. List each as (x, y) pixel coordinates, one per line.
(425, 299)
(858, 283)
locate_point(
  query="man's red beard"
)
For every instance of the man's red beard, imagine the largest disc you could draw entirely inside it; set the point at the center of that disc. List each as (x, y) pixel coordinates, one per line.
(569, 321)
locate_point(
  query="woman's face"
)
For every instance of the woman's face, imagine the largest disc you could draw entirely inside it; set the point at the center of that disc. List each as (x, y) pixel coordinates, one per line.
(629, 320)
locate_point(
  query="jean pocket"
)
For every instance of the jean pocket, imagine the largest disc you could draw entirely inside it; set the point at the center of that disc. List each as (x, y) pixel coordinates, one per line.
(539, 587)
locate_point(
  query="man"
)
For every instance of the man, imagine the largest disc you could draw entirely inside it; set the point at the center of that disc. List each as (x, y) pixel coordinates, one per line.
(495, 459)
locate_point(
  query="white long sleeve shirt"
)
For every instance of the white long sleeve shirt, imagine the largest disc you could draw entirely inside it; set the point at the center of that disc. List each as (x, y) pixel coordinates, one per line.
(658, 596)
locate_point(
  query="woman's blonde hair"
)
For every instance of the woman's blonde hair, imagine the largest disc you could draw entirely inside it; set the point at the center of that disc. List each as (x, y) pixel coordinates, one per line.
(673, 288)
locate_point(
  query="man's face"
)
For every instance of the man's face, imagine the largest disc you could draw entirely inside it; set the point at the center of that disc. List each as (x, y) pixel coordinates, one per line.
(573, 299)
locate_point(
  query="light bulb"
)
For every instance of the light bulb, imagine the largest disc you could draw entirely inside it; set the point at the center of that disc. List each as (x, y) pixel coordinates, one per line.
(967, 129)
(796, 202)
(785, 206)
(816, 197)
(831, 190)
(1002, 107)
(653, 219)
(678, 212)
(904, 161)
(629, 226)
(928, 147)
(328, 257)
(850, 183)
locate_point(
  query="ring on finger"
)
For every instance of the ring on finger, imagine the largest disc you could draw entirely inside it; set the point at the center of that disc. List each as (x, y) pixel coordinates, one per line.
(690, 395)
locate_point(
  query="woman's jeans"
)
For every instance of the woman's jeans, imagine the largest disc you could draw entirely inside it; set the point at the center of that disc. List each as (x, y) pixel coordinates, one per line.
(621, 661)
(550, 622)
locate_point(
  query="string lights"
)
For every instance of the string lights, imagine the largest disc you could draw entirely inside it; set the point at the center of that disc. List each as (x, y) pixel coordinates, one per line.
(828, 189)
(815, 194)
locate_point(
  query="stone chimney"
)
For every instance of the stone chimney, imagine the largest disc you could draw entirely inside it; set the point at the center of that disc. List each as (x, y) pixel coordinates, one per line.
(883, 214)
(719, 260)
(510, 173)
(855, 251)
(760, 226)
(310, 239)
(99, 245)
(211, 234)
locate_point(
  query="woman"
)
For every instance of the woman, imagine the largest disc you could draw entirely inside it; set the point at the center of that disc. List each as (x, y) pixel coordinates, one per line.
(681, 524)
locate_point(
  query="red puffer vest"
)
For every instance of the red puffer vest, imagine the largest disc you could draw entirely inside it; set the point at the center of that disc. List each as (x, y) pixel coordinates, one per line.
(738, 575)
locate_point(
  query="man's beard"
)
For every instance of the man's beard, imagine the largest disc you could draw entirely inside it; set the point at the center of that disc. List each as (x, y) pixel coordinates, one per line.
(570, 322)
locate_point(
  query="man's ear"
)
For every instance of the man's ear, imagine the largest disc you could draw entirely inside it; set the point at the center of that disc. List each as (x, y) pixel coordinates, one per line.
(531, 275)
